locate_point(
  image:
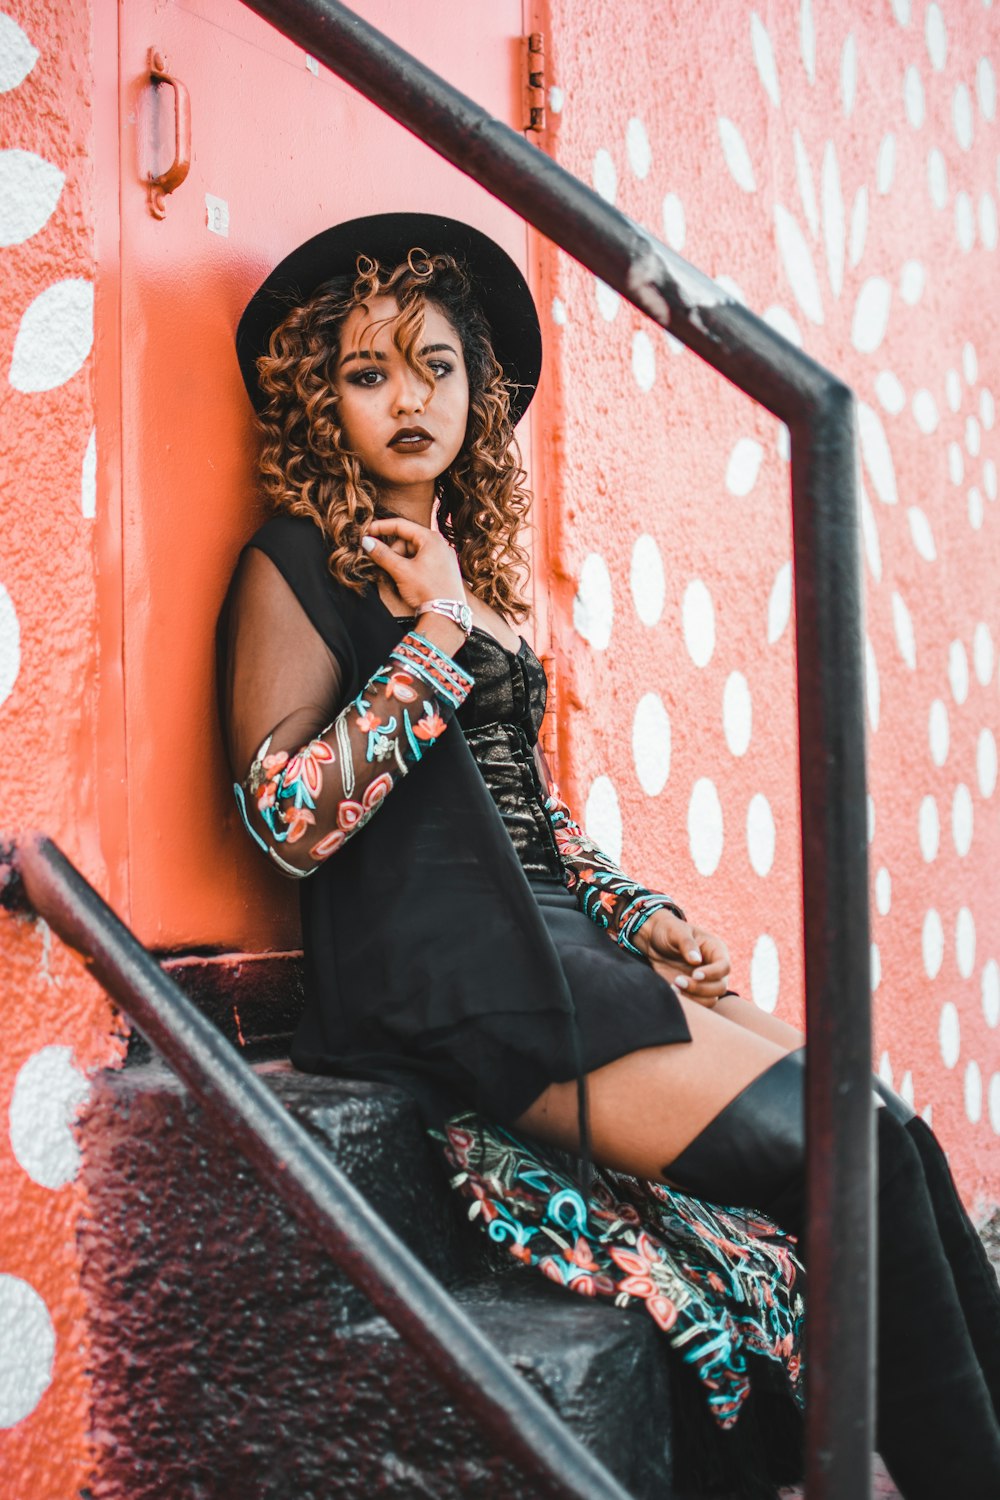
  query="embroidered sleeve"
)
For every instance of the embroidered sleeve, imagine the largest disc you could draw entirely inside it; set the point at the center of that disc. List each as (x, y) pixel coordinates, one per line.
(609, 897)
(311, 798)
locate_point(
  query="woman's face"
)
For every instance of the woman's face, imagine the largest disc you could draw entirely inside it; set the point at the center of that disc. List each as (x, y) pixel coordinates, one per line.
(404, 430)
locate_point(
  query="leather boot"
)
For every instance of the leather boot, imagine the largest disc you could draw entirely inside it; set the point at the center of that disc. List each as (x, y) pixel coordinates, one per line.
(936, 1428)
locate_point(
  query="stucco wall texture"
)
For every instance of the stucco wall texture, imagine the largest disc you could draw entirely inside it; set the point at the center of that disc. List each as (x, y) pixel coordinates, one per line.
(836, 167)
(57, 1024)
(839, 168)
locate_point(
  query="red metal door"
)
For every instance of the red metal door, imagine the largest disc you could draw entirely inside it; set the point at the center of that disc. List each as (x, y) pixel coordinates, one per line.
(278, 150)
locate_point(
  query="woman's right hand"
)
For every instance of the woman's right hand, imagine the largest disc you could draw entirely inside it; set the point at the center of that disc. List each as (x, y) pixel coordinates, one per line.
(426, 567)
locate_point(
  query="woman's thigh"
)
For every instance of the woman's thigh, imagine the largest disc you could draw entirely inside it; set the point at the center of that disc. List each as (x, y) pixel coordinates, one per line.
(647, 1106)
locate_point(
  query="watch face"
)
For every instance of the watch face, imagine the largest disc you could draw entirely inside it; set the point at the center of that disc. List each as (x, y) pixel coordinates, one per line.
(465, 618)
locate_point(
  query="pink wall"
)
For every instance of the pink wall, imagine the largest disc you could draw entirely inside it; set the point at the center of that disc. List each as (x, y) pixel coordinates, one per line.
(55, 713)
(837, 168)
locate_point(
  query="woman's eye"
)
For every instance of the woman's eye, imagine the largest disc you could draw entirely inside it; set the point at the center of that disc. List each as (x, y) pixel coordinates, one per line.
(440, 367)
(370, 376)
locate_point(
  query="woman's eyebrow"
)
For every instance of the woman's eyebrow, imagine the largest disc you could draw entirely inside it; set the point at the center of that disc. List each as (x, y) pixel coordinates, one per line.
(376, 354)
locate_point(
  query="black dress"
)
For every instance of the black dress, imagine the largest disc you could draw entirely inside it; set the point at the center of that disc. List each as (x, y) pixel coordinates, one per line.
(443, 950)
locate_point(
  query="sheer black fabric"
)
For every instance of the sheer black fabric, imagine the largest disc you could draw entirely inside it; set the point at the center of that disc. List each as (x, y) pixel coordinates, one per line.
(430, 959)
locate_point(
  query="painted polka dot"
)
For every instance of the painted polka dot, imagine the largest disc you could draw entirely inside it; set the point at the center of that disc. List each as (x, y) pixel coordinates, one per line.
(783, 442)
(912, 280)
(987, 408)
(949, 1034)
(593, 609)
(651, 743)
(17, 55)
(763, 56)
(760, 834)
(883, 891)
(938, 734)
(807, 39)
(876, 453)
(994, 1100)
(859, 225)
(608, 300)
(737, 713)
(885, 164)
(737, 156)
(983, 659)
(643, 360)
(889, 390)
(604, 175)
(913, 97)
(925, 412)
(986, 88)
(705, 830)
(873, 693)
(936, 37)
(10, 643)
(637, 148)
(990, 479)
(903, 627)
(986, 762)
(557, 99)
(961, 116)
(932, 944)
(976, 508)
(901, 10)
(765, 973)
(674, 223)
(965, 222)
(929, 829)
(965, 942)
(906, 1087)
(958, 672)
(956, 463)
(973, 1091)
(962, 819)
(849, 74)
(973, 437)
(48, 1091)
(970, 363)
(646, 580)
(559, 314)
(988, 228)
(953, 388)
(990, 984)
(937, 178)
(871, 314)
(88, 478)
(743, 466)
(602, 817)
(27, 1347)
(698, 616)
(55, 337)
(30, 188)
(779, 604)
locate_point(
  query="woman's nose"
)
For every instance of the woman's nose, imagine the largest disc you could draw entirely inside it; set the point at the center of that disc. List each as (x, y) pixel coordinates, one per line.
(410, 393)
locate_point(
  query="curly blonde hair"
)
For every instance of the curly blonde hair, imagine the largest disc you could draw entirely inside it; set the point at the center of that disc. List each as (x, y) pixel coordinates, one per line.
(307, 470)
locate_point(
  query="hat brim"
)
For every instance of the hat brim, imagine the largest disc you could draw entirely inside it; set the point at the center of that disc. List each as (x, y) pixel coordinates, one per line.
(503, 293)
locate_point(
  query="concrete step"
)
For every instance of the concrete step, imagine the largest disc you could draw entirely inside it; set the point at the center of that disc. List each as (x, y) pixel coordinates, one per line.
(229, 1358)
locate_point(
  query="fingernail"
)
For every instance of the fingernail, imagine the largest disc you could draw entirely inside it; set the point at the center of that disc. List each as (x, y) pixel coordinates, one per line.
(698, 974)
(681, 982)
(368, 543)
(694, 954)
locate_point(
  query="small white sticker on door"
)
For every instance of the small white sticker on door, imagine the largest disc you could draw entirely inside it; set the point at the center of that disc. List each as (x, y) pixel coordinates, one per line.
(217, 215)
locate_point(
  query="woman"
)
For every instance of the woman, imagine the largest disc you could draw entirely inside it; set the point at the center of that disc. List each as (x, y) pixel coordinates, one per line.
(462, 935)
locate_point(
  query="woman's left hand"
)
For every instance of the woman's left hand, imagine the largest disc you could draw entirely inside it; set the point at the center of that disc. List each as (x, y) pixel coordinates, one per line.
(694, 960)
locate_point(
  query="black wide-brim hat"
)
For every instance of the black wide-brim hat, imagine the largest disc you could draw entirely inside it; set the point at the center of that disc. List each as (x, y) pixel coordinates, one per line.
(502, 291)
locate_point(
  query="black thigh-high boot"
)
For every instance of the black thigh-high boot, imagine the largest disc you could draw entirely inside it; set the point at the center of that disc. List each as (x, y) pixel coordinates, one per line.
(975, 1278)
(936, 1428)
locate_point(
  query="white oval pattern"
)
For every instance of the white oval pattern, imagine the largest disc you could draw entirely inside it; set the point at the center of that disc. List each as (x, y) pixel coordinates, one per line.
(17, 55)
(27, 1338)
(651, 743)
(29, 191)
(705, 826)
(593, 607)
(48, 1091)
(55, 336)
(10, 640)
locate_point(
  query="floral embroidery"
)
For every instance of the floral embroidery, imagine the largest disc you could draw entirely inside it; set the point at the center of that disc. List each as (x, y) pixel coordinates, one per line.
(604, 892)
(371, 742)
(720, 1283)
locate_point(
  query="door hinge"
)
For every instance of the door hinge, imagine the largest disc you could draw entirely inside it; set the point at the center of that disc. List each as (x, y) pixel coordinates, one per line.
(533, 61)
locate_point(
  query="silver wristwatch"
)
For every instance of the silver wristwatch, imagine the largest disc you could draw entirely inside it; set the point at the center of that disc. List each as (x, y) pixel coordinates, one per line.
(452, 609)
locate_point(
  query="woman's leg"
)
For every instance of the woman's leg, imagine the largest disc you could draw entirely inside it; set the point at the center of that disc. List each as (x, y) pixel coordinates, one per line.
(682, 1113)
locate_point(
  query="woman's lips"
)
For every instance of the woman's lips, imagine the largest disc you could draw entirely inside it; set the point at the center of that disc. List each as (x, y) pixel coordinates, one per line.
(411, 440)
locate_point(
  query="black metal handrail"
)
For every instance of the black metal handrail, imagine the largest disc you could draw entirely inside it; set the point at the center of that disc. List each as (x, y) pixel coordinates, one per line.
(819, 410)
(35, 874)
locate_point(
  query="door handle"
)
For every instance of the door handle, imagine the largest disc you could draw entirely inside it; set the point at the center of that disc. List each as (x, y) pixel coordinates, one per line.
(166, 182)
